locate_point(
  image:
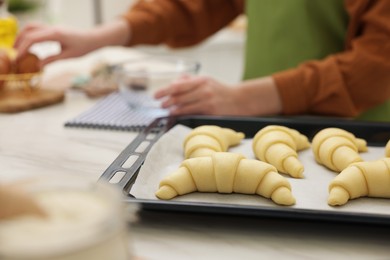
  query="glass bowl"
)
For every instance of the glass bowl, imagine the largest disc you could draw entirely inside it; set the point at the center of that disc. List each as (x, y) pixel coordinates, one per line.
(139, 78)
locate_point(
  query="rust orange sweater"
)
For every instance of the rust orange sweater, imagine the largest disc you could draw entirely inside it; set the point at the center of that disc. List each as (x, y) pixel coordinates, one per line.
(343, 84)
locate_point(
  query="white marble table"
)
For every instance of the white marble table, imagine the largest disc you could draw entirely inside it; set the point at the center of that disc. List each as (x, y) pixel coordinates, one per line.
(37, 142)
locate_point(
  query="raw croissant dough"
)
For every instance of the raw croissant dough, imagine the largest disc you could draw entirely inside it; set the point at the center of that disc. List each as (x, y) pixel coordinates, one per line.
(226, 172)
(361, 179)
(278, 145)
(207, 139)
(387, 149)
(336, 148)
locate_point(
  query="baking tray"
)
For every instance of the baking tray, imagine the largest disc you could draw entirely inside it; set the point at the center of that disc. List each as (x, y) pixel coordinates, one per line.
(122, 174)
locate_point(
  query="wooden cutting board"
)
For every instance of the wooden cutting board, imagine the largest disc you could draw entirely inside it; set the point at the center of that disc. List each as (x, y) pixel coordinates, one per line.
(18, 100)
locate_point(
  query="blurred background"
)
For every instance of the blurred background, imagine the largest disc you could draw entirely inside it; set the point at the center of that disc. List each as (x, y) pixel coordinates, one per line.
(221, 55)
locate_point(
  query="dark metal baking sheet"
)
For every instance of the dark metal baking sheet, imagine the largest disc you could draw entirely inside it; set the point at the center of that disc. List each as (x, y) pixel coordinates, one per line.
(375, 133)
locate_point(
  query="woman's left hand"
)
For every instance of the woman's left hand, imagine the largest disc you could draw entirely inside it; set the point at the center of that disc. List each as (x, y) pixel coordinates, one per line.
(204, 95)
(198, 95)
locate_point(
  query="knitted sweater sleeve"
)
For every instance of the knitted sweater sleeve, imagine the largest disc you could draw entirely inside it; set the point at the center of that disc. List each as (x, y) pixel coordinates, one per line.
(347, 83)
(179, 23)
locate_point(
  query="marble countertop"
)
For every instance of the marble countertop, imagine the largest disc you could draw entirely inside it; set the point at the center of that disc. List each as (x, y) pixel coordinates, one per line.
(36, 142)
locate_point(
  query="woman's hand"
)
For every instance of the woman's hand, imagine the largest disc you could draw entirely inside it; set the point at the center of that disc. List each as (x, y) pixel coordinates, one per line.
(74, 42)
(204, 95)
(198, 95)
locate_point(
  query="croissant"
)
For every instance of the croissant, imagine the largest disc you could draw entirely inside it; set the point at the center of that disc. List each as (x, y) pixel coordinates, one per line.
(278, 145)
(207, 139)
(225, 172)
(361, 179)
(387, 149)
(336, 148)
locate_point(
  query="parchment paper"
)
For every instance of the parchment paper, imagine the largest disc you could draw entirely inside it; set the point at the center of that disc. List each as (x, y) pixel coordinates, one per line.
(311, 192)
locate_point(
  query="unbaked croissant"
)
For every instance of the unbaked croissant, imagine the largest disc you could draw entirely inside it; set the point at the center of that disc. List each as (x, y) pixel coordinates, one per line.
(361, 179)
(225, 172)
(278, 145)
(337, 148)
(387, 149)
(207, 139)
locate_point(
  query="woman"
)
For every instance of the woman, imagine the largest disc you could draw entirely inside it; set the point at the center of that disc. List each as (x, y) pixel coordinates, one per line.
(302, 57)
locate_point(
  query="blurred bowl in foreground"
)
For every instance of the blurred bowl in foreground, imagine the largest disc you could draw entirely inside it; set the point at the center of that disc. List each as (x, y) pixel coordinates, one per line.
(84, 220)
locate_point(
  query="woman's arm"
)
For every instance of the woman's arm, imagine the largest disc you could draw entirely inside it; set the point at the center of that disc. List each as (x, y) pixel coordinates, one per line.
(179, 23)
(204, 95)
(74, 42)
(347, 83)
(176, 23)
